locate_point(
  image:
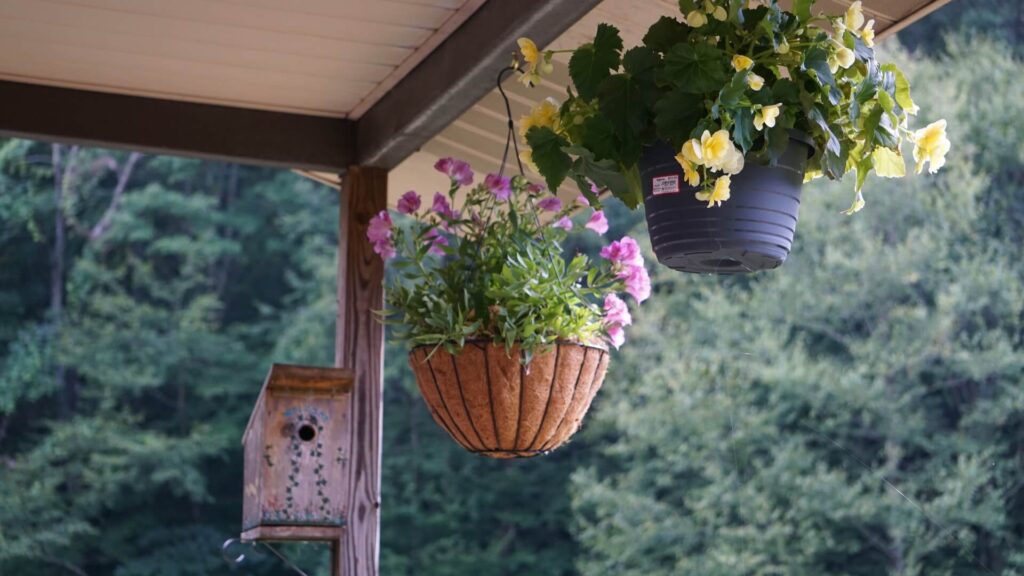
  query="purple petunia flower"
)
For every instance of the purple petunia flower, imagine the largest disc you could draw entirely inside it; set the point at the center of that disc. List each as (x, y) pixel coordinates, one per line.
(551, 204)
(379, 234)
(457, 170)
(500, 186)
(442, 207)
(409, 202)
(437, 242)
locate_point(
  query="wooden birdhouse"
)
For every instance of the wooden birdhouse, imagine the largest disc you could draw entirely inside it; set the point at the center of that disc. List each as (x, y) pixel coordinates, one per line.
(293, 455)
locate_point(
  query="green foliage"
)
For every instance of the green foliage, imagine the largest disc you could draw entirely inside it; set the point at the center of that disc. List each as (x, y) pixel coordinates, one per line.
(685, 80)
(121, 410)
(502, 276)
(856, 412)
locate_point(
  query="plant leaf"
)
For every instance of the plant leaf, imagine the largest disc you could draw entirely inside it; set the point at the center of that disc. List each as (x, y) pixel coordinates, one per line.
(666, 33)
(878, 129)
(902, 89)
(816, 59)
(620, 101)
(743, 128)
(676, 114)
(548, 155)
(696, 68)
(888, 163)
(592, 63)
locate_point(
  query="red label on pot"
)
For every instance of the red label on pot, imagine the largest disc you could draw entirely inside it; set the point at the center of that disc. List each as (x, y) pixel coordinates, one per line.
(665, 184)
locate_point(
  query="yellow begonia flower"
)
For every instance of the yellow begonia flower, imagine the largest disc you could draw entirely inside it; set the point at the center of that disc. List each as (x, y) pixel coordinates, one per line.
(544, 114)
(857, 206)
(715, 151)
(720, 14)
(718, 194)
(766, 116)
(755, 82)
(696, 19)
(931, 145)
(690, 173)
(833, 63)
(868, 34)
(741, 62)
(535, 62)
(733, 162)
(714, 148)
(845, 57)
(854, 18)
(531, 55)
(691, 152)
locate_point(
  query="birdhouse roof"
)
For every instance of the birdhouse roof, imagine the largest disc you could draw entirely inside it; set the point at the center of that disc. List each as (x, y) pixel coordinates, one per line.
(297, 378)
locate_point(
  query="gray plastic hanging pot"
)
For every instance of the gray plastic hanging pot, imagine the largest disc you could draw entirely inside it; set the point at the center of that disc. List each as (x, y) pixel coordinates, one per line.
(751, 231)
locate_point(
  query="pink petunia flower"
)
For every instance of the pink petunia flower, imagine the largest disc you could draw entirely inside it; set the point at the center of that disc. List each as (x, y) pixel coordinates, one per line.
(598, 223)
(616, 336)
(534, 189)
(409, 202)
(551, 204)
(582, 200)
(457, 170)
(564, 223)
(616, 311)
(500, 186)
(638, 282)
(625, 252)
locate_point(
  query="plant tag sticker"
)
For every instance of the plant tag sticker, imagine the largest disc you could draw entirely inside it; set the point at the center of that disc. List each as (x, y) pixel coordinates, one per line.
(665, 184)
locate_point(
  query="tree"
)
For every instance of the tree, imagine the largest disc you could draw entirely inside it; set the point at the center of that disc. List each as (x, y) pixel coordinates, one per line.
(159, 323)
(857, 412)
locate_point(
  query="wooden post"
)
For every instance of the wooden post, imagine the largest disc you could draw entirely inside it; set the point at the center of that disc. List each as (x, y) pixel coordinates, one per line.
(359, 345)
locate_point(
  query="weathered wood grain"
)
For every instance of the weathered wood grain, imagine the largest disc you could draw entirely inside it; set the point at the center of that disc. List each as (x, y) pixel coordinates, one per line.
(359, 346)
(292, 448)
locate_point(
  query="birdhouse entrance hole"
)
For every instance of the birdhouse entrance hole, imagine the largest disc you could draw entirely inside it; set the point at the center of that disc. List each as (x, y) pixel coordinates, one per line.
(307, 432)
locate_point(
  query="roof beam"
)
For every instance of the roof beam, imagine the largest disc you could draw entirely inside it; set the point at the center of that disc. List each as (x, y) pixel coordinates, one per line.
(173, 127)
(457, 74)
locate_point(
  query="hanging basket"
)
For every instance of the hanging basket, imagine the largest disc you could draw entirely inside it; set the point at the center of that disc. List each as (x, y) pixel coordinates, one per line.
(491, 404)
(751, 231)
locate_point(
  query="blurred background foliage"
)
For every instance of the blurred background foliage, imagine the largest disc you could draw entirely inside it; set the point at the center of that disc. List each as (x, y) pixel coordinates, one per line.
(858, 412)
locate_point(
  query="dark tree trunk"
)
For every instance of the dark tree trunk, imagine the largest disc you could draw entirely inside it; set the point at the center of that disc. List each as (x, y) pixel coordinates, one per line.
(57, 278)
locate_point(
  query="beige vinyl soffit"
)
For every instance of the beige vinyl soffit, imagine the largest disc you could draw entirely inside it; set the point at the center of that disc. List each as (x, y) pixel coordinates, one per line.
(332, 58)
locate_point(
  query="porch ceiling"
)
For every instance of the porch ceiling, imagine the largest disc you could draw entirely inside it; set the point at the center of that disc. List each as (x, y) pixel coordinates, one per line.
(478, 135)
(310, 84)
(331, 58)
